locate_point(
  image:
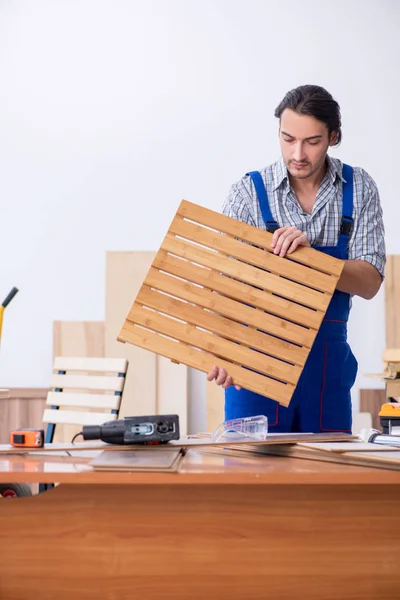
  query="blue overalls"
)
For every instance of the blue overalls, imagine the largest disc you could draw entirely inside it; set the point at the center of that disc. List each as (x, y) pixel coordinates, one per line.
(321, 400)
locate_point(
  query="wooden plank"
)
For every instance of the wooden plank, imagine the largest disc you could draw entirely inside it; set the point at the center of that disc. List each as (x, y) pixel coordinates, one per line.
(78, 338)
(76, 417)
(248, 273)
(182, 313)
(215, 401)
(263, 239)
(391, 355)
(393, 388)
(22, 409)
(392, 301)
(248, 294)
(109, 365)
(204, 361)
(371, 401)
(83, 400)
(252, 255)
(220, 325)
(152, 385)
(125, 272)
(172, 391)
(90, 382)
(237, 311)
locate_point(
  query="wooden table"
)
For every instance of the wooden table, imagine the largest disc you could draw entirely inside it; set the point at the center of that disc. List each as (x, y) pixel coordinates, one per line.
(224, 527)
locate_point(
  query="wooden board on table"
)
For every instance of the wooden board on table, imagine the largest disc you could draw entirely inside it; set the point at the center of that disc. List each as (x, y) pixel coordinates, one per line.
(76, 339)
(392, 301)
(215, 292)
(153, 384)
(274, 439)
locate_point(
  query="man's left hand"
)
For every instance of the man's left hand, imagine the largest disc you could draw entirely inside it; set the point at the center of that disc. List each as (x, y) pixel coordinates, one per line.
(287, 239)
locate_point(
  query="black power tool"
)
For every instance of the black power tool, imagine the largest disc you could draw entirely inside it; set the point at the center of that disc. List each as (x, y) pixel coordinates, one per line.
(155, 429)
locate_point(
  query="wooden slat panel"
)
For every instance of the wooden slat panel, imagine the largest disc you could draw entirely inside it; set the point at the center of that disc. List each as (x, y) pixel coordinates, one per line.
(235, 289)
(109, 365)
(84, 400)
(221, 326)
(258, 277)
(392, 301)
(77, 339)
(76, 418)
(393, 388)
(214, 344)
(112, 384)
(215, 298)
(252, 255)
(236, 311)
(391, 355)
(209, 218)
(204, 361)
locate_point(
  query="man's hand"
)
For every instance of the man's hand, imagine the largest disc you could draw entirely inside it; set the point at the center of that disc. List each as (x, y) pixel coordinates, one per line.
(287, 239)
(221, 377)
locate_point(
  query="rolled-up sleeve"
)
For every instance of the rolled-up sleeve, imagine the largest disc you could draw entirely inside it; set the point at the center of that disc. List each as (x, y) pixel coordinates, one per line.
(367, 241)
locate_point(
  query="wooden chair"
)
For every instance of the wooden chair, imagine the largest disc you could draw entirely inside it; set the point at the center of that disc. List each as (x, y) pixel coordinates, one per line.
(85, 391)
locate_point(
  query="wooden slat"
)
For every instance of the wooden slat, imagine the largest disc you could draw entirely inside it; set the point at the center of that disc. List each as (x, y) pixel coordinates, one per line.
(214, 220)
(392, 301)
(393, 388)
(106, 401)
(205, 361)
(222, 326)
(76, 418)
(235, 289)
(91, 382)
(230, 308)
(239, 270)
(216, 294)
(252, 255)
(109, 365)
(215, 400)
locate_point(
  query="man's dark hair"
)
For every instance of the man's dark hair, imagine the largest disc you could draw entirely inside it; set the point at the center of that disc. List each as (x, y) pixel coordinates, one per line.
(314, 101)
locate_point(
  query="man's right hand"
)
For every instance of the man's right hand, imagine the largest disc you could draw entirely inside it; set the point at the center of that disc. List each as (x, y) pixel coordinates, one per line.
(221, 377)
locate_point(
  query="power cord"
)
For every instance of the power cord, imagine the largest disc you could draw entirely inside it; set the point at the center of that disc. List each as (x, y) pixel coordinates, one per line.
(75, 436)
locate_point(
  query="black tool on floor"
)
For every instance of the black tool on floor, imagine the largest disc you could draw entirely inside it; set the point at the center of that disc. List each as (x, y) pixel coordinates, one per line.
(155, 429)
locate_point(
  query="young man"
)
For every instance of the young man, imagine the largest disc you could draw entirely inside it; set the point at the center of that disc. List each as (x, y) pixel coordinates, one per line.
(309, 199)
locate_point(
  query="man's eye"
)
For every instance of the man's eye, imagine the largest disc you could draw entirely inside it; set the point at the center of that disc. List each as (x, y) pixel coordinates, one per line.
(287, 140)
(314, 143)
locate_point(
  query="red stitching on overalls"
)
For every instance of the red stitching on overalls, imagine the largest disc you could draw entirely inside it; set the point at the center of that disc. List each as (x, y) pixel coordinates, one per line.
(333, 321)
(322, 396)
(276, 417)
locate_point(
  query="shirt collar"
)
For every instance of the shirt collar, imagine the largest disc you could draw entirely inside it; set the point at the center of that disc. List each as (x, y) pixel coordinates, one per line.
(280, 173)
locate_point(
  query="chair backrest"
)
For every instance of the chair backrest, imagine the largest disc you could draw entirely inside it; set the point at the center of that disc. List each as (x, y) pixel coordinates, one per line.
(95, 384)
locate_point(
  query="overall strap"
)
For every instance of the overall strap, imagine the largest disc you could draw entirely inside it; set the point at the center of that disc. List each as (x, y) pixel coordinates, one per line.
(269, 220)
(346, 224)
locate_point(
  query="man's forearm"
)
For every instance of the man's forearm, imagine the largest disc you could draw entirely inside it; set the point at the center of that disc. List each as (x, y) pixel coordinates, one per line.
(359, 278)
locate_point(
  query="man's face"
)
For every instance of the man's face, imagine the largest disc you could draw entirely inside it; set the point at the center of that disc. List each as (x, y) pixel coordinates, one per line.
(304, 143)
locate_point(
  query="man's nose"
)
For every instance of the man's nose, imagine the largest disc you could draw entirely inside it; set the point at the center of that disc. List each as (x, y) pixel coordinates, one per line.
(299, 153)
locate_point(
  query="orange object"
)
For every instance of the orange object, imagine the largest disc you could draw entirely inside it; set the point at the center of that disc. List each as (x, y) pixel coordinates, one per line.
(27, 438)
(390, 409)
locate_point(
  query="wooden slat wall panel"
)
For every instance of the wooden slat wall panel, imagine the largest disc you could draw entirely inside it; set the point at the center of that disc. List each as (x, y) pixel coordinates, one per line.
(392, 301)
(215, 398)
(154, 385)
(216, 293)
(76, 339)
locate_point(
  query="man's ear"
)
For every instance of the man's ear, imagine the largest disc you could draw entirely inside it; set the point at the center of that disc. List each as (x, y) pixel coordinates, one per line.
(333, 138)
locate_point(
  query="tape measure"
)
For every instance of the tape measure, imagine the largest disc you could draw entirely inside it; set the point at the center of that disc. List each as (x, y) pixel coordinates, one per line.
(27, 438)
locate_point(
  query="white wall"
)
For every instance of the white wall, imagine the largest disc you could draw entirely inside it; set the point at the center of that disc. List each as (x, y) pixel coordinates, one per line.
(111, 112)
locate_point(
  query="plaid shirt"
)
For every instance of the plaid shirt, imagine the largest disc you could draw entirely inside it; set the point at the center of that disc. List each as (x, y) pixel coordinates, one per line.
(322, 226)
